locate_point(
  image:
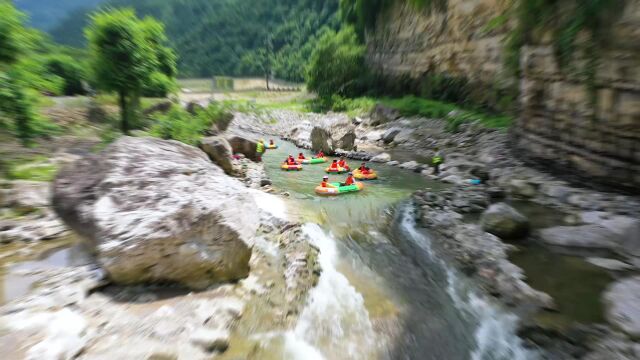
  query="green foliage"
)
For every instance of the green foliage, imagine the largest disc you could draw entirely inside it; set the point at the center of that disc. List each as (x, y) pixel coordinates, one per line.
(69, 70)
(14, 37)
(35, 171)
(337, 65)
(128, 57)
(226, 37)
(178, 124)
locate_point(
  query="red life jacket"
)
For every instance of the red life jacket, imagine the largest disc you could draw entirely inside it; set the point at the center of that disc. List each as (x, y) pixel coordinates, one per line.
(349, 181)
(341, 163)
(323, 184)
(334, 165)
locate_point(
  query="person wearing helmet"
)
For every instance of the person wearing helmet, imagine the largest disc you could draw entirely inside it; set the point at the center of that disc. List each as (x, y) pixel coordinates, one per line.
(290, 160)
(349, 181)
(325, 182)
(301, 157)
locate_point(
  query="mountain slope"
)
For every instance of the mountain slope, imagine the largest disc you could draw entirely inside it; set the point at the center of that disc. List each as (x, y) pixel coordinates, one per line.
(45, 14)
(227, 37)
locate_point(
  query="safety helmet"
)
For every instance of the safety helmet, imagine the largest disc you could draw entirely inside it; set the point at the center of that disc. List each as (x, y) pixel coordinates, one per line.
(325, 177)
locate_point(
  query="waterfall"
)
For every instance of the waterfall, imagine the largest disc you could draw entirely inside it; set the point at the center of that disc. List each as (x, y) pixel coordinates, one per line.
(334, 322)
(495, 334)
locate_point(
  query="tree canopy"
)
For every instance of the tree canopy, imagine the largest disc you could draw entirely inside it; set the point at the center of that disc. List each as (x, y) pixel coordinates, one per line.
(126, 53)
(227, 37)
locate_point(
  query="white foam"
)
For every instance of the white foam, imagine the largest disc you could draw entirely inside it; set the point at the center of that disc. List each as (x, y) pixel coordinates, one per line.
(271, 204)
(335, 320)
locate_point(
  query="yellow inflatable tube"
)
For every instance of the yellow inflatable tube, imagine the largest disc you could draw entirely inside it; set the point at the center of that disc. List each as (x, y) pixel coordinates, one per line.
(358, 175)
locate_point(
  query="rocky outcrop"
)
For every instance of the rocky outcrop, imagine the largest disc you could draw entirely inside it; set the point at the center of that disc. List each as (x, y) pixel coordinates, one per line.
(623, 305)
(157, 210)
(381, 158)
(241, 144)
(504, 222)
(335, 132)
(593, 237)
(381, 114)
(219, 151)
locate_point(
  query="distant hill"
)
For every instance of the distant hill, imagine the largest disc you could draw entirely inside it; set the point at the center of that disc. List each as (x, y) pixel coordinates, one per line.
(223, 37)
(45, 14)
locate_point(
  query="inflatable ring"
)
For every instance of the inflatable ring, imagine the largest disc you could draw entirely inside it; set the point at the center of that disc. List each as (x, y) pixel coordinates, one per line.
(312, 161)
(335, 171)
(338, 190)
(357, 174)
(287, 167)
(274, 146)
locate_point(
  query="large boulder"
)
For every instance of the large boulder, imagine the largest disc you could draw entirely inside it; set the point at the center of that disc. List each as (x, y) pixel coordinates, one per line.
(390, 135)
(219, 151)
(504, 222)
(622, 301)
(156, 210)
(626, 227)
(241, 144)
(381, 114)
(591, 236)
(332, 133)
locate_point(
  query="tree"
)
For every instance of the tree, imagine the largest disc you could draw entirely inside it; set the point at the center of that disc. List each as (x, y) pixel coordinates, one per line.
(337, 64)
(126, 53)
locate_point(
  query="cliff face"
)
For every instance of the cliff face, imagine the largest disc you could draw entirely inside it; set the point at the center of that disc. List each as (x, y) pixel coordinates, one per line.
(558, 122)
(407, 41)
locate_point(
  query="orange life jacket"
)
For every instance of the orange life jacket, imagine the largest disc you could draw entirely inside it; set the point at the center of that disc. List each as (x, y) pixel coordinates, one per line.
(349, 180)
(334, 165)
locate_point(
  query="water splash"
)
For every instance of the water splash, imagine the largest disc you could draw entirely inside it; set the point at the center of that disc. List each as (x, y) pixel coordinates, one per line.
(335, 321)
(495, 335)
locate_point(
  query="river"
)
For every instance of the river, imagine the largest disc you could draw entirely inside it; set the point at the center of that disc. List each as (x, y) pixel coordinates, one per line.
(384, 292)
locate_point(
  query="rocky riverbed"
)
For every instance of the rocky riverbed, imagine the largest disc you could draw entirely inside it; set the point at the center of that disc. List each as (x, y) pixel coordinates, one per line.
(601, 227)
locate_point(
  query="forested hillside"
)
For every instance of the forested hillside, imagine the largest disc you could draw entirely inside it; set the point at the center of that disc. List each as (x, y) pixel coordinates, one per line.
(230, 37)
(46, 14)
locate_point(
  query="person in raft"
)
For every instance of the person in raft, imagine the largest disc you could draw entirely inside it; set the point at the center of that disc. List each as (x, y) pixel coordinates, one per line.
(349, 180)
(271, 142)
(334, 165)
(343, 164)
(319, 155)
(364, 170)
(291, 161)
(325, 182)
(301, 157)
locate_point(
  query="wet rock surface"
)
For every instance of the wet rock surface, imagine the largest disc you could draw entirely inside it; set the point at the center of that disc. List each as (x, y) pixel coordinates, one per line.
(623, 305)
(504, 222)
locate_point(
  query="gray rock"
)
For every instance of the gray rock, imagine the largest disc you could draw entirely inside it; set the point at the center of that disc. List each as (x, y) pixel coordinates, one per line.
(522, 188)
(29, 195)
(410, 165)
(210, 340)
(381, 114)
(622, 301)
(219, 151)
(393, 163)
(559, 192)
(453, 179)
(390, 134)
(584, 236)
(609, 264)
(626, 227)
(504, 222)
(156, 210)
(241, 144)
(333, 133)
(381, 158)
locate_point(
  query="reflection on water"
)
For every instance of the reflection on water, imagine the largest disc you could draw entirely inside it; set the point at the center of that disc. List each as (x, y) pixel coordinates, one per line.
(18, 277)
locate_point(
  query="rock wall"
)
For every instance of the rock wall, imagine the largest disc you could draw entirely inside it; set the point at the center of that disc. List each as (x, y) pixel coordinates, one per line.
(458, 42)
(557, 124)
(561, 126)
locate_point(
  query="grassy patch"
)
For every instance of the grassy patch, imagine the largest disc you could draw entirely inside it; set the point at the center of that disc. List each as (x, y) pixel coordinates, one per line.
(178, 124)
(35, 169)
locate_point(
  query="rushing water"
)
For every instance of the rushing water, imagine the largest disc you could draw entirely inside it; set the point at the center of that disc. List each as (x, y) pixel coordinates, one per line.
(384, 293)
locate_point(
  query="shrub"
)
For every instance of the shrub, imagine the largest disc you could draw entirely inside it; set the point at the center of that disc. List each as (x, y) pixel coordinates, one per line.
(66, 68)
(178, 124)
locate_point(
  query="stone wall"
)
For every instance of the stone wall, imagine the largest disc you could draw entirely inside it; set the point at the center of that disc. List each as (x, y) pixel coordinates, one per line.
(557, 124)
